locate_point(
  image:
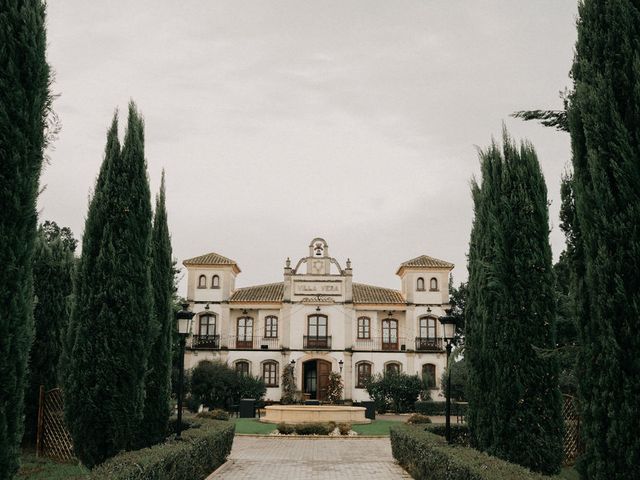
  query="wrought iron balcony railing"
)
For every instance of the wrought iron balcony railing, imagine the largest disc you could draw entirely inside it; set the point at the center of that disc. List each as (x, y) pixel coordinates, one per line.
(380, 343)
(317, 343)
(211, 342)
(427, 344)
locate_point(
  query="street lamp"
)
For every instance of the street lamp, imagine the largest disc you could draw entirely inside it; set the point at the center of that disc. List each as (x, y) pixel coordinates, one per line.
(340, 364)
(448, 322)
(184, 318)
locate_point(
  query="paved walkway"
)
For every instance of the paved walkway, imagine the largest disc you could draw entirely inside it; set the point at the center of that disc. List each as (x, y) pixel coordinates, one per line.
(275, 458)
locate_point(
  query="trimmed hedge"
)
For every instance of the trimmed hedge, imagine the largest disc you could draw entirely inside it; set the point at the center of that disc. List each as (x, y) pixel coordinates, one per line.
(203, 448)
(459, 433)
(439, 408)
(427, 456)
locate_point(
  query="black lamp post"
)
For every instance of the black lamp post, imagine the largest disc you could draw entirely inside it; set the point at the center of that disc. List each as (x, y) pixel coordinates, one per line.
(340, 364)
(449, 326)
(184, 318)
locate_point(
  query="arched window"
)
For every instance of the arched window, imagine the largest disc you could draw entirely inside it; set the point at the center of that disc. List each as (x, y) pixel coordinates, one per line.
(271, 327)
(202, 281)
(363, 371)
(245, 333)
(207, 325)
(242, 368)
(429, 375)
(270, 373)
(427, 334)
(420, 284)
(215, 281)
(317, 332)
(364, 327)
(433, 284)
(392, 368)
(428, 328)
(389, 334)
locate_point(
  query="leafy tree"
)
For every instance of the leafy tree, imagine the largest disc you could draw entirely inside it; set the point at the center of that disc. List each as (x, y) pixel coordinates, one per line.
(158, 383)
(514, 399)
(53, 268)
(458, 300)
(111, 319)
(459, 375)
(604, 122)
(216, 385)
(334, 387)
(288, 385)
(398, 391)
(25, 104)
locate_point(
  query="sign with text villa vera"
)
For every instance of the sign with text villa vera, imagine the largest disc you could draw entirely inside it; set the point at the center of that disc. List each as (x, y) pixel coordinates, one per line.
(317, 288)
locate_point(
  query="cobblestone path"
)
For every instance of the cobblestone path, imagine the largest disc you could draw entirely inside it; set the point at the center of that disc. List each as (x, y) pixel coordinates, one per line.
(274, 458)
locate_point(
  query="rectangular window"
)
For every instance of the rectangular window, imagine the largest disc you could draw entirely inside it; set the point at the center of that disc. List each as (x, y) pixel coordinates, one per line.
(271, 327)
(364, 327)
(364, 373)
(270, 374)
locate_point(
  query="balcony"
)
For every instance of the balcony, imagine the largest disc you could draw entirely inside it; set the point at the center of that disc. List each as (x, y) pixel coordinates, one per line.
(428, 344)
(380, 343)
(206, 342)
(316, 343)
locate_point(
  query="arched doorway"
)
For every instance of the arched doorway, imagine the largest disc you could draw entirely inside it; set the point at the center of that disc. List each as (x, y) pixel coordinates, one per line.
(315, 375)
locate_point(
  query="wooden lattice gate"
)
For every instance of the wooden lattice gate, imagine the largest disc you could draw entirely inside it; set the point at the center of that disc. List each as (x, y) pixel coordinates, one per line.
(54, 440)
(571, 415)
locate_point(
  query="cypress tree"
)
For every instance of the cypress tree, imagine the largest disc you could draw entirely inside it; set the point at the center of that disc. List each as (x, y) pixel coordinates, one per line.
(24, 105)
(53, 267)
(515, 403)
(158, 384)
(112, 315)
(604, 122)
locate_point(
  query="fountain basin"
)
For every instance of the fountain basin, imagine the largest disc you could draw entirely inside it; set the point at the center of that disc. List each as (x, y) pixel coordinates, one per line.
(314, 413)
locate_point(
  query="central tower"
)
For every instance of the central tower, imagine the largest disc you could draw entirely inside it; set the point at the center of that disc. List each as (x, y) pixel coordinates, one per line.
(319, 261)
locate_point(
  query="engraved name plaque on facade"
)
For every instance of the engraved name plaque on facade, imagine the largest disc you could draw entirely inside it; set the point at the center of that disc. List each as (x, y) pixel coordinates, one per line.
(317, 288)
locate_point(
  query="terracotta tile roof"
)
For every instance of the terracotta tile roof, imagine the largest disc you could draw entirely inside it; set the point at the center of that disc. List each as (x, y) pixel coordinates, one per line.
(271, 292)
(369, 294)
(426, 261)
(209, 259)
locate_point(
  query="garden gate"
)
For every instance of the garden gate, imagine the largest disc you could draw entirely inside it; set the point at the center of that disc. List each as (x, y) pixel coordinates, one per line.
(54, 440)
(571, 443)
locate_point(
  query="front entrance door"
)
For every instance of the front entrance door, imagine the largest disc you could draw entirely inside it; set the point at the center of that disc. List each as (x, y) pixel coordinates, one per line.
(316, 378)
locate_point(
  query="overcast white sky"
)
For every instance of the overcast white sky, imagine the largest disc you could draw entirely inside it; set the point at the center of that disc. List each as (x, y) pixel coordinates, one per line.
(280, 121)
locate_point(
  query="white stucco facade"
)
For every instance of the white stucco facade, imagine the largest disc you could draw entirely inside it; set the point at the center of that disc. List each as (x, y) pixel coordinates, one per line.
(320, 319)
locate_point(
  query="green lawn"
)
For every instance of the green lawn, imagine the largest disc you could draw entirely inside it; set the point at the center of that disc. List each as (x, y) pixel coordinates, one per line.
(255, 427)
(377, 427)
(45, 469)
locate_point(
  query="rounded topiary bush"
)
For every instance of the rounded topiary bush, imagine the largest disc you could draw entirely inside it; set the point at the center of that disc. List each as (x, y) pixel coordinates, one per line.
(216, 414)
(418, 418)
(285, 428)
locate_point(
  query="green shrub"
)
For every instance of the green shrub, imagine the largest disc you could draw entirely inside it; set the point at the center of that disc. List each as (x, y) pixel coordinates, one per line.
(439, 408)
(335, 388)
(217, 385)
(427, 456)
(344, 428)
(203, 448)
(314, 428)
(285, 428)
(459, 433)
(217, 414)
(418, 418)
(396, 390)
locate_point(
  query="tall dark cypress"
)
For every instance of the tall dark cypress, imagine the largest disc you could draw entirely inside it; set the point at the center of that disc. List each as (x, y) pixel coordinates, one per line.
(515, 404)
(104, 392)
(24, 106)
(604, 122)
(53, 268)
(158, 384)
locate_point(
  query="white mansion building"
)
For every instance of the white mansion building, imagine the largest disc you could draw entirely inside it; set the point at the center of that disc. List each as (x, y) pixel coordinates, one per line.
(321, 320)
